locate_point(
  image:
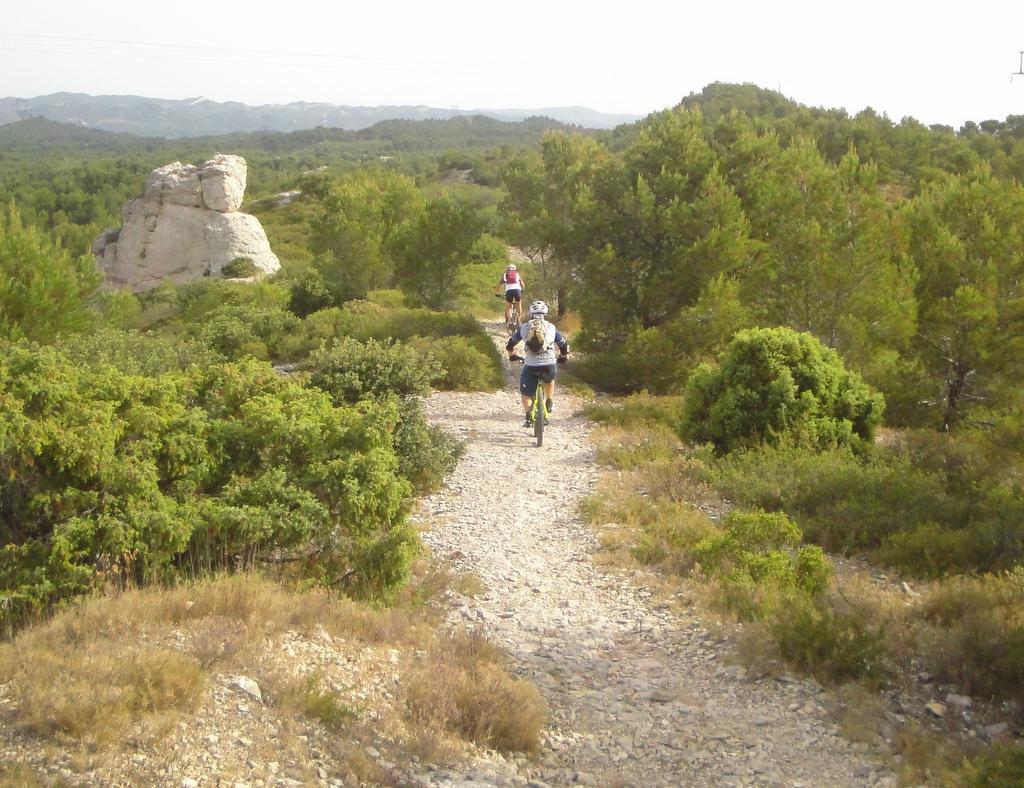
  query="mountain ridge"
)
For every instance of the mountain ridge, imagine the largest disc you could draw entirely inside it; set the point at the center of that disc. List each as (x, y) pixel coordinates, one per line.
(199, 116)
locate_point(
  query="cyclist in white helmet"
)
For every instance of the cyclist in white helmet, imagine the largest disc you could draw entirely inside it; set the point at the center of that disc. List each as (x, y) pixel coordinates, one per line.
(540, 338)
(513, 282)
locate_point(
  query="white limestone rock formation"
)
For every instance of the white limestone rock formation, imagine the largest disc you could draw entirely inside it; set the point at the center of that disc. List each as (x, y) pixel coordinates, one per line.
(185, 226)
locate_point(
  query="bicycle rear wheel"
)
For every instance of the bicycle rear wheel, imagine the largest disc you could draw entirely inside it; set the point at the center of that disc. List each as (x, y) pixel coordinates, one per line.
(540, 414)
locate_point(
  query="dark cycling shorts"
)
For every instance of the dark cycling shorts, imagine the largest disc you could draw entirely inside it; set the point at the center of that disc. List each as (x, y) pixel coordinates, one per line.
(528, 379)
(513, 295)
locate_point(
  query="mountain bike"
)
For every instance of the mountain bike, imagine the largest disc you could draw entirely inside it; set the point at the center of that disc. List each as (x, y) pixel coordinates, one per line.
(538, 413)
(515, 318)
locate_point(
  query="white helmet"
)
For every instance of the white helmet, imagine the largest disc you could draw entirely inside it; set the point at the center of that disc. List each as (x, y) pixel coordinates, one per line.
(538, 308)
(511, 267)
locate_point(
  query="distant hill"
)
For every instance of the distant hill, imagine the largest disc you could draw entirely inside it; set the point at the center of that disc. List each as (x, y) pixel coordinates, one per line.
(36, 135)
(202, 117)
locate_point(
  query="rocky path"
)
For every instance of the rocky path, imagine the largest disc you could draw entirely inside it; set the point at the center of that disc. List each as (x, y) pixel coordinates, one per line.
(639, 696)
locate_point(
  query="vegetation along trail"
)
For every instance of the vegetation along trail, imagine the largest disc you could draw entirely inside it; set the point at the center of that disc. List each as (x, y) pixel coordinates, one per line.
(638, 695)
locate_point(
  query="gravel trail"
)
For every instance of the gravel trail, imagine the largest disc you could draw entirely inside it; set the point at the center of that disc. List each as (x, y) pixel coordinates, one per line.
(639, 695)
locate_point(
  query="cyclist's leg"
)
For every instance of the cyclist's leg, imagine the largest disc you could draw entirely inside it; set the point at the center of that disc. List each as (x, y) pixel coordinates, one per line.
(548, 378)
(527, 385)
(549, 390)
(508, 308)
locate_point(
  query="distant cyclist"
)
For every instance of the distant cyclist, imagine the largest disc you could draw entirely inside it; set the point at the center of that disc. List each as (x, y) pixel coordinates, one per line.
(540, 338)
(513, 282)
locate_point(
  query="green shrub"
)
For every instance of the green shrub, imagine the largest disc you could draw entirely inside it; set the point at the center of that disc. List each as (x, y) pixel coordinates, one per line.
(308, 293)
(476, 287)
(109, 475)
(1001, 766)
(350, 371)
(763, 549)
(980, 637)
(459, 364)
(389, 299)
(827, 641)
(44, 289)
(237, 331)
(426, 453)
(933, 550)
(137, 354)
(643, 359)
(191, 303)
(239, 268)
(488, 249)
(771, 383)
(840, 500)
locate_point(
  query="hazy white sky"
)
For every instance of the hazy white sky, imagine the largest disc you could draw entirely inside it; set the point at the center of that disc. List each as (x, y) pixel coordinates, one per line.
(937, 61)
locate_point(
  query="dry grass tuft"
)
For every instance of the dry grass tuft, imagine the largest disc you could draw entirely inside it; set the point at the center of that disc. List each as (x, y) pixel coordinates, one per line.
(927, 758)
(635, 446)
(862, 714)
(362, 768)
(469, 584)
(94, 691)
(462, 687)
(140, 658)
(16, 775)
(308, 696)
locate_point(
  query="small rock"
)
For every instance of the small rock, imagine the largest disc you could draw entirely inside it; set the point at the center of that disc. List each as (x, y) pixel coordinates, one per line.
(247, 686)
(936, 709)
(996, 731)
(188, 782)
(960, 701)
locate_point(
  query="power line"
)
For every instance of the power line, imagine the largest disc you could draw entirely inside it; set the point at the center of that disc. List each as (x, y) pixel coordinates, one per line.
(28, 38)
(53, 49)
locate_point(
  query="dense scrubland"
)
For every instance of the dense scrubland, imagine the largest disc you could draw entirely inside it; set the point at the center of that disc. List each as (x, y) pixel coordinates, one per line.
(819, 318)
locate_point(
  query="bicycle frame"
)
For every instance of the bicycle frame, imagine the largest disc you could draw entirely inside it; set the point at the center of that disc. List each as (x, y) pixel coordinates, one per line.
(539, 413)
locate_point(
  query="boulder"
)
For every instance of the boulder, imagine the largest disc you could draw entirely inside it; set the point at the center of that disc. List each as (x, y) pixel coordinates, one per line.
(223, 183)
(185, 226)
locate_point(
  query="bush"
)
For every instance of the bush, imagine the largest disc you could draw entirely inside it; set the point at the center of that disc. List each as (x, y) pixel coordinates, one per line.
(488, 249)
(1001, 766)
(426, 453)
(771, 383)
(308, 293)
(137, 354)
(459, 365)
(827, 641)
(237, 331)
(762, 549)
(139, 478)
(239, 268)
(191, 303)
(644, 359)
(350, 371)
(980, 646)
(44, 290)
(669, 533)
(839, 500)
(637, 447)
